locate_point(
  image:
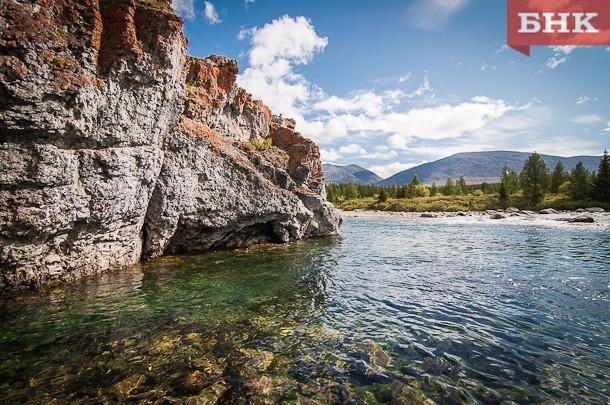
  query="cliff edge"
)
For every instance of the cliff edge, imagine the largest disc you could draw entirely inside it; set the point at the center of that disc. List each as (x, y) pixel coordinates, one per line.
(115, 145)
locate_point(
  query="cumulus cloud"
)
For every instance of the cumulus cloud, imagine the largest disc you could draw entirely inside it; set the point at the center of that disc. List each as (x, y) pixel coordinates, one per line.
(210, 14)
(352, 149)
(184, 8)
(385, 171)
(433, 14)
(340, 125)
(276, 48)
(329, 155)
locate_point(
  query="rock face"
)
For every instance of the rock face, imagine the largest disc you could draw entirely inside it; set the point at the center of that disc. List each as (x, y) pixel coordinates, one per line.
(115, 145)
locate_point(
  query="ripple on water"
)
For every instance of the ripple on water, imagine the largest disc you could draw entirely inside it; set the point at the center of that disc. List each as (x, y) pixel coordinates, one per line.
(392, 311)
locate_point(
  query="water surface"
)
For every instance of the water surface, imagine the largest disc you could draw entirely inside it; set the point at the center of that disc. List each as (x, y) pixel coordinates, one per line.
(393, 310)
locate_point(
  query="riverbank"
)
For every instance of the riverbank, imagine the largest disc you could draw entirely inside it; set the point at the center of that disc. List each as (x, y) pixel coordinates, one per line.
(590, 215)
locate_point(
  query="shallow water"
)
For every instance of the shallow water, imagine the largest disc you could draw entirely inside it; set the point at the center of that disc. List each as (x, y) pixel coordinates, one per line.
(393, 310)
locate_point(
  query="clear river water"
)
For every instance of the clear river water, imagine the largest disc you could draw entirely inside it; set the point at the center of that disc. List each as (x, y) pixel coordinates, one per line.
(406, 311)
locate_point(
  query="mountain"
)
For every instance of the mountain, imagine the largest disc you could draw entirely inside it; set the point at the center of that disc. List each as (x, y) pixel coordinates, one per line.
(477, 167)
(343, 174)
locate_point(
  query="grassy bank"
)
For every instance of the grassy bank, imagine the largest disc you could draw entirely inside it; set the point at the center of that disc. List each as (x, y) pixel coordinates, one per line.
(465, 203)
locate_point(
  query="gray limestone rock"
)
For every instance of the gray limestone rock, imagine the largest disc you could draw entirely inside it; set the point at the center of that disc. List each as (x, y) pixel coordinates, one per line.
(99, 166)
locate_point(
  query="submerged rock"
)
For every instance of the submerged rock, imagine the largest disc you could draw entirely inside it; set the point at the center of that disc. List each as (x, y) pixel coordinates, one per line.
(595, 209)
(498, 216)
(116, 145)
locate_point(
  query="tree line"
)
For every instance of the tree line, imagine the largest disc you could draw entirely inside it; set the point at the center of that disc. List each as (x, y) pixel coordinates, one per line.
(534, 182)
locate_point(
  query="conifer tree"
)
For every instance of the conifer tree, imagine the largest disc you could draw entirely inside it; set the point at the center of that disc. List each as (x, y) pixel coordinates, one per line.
(580, 186)
(535, 178)
(558, 177)
(351, 192)
(503, 193)
(460, 185)
(449, 188)
(601, 185)
(383, 195)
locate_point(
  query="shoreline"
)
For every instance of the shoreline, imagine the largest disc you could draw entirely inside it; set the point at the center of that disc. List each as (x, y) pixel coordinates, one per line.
(550, 214)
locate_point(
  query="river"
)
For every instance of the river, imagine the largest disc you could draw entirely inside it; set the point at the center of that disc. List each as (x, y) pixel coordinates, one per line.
(394, 310)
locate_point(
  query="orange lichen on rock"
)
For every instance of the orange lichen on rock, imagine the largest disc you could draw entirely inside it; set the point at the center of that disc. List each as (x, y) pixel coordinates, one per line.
(208, 83)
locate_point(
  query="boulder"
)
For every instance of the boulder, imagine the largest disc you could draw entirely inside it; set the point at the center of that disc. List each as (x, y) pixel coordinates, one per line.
(548, 211)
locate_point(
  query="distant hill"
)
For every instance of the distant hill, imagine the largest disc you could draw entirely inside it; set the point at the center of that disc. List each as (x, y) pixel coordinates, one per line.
(343, 174)
(477, 167)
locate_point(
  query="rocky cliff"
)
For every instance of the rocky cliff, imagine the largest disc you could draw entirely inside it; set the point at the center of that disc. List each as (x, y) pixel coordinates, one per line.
(115, 145)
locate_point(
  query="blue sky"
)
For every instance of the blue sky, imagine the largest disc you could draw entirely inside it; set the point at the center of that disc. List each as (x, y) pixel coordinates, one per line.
(392, 84)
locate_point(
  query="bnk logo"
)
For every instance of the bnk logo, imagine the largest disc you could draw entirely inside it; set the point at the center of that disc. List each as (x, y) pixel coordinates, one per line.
(557, 22)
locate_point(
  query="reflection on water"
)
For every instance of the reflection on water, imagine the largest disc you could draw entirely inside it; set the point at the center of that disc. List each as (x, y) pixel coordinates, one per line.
(401, 311)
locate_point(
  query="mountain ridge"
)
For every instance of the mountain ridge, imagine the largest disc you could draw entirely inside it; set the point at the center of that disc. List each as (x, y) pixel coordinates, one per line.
(343, 174)
(477, 167)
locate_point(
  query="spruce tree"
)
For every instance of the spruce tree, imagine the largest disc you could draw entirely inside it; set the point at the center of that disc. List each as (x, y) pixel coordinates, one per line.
(460, 185)
(449, 188)
(415, 181)
(383, 195)
(558, 177)
(601, 185)
(351, 193)
(580, 186)
(434, 189)
(485, 187)
(535, 179)
(503, 193)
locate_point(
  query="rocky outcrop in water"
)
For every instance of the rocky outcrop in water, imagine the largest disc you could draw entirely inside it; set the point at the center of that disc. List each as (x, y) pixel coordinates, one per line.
(115, 145)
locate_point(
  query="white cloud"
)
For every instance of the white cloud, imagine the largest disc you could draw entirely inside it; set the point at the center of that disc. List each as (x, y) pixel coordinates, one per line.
(381, 155)
(366, 117)
(587, 119)
(385, 171)
(368, 103)
(584, 99)
(444, 121)
(555, 61)
(607, 129)
(184, 8)
(561, 56)
(210, 14)
(608, 49)
(423, 88)
(329, 155)
(352, 149)
(433, 14)
(276, 48)
(405, 78)
(563, 49)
